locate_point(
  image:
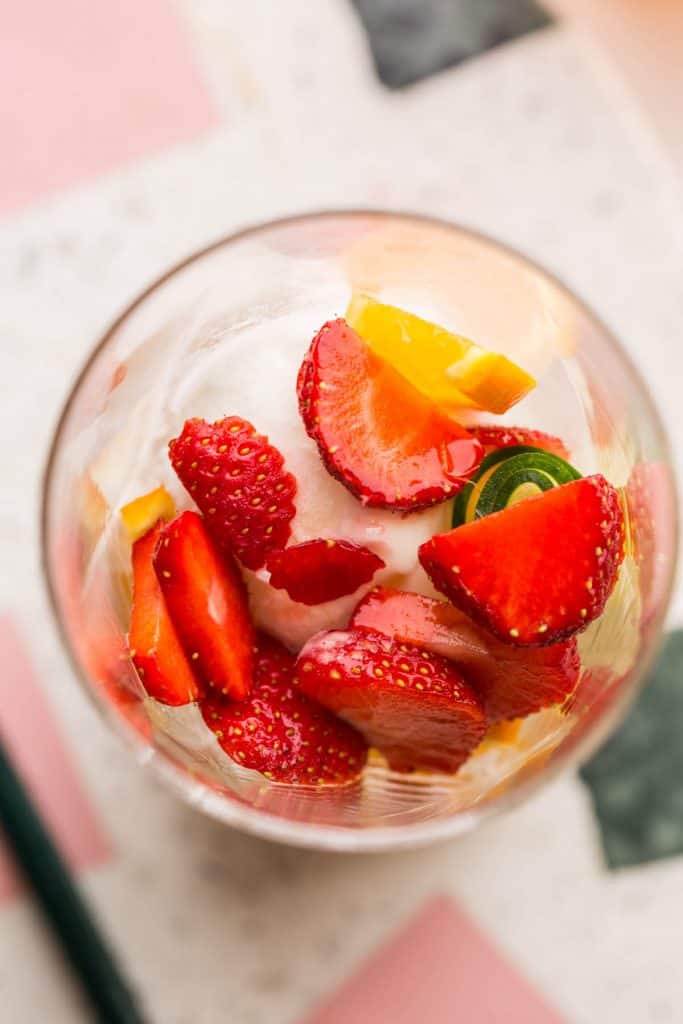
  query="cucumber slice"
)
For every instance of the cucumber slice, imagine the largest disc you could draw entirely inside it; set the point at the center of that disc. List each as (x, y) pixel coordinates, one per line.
(511, 479)
(465, 502)
(503, 454)
(509, 475)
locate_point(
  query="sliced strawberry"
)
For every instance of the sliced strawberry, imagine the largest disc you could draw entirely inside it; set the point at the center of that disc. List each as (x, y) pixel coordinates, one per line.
(280, 732)
(239, 482)
(377, 434)
(538, 571)
(652, 504)
(207, 602)
(511, 681)
(493, 437)
(598, 688)
(154, 647)
(322, 570)
(415, 707)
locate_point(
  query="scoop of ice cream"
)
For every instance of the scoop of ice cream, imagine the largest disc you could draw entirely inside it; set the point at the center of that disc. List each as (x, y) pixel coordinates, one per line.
(253, 375)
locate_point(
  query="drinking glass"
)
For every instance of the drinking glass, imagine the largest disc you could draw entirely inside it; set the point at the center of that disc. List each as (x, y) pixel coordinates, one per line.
(284, 279)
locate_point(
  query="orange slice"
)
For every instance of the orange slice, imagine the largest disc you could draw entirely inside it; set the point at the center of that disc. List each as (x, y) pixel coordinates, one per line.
(140, 515)
(505, 732)
(449, 369)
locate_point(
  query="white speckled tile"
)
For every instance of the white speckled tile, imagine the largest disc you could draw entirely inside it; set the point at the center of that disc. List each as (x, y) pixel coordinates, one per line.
(644, 41)
(524, 143)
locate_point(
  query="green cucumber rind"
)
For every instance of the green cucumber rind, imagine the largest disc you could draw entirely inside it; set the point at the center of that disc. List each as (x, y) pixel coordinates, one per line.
(503, 454)
(497, 455)
(541, 468)
(557, 469)
(459, 517)
(496, 494)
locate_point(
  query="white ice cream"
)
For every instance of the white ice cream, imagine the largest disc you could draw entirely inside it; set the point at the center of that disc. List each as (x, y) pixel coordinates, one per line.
(251, 372)
(234, 346)
(209, 356)
(256, 379)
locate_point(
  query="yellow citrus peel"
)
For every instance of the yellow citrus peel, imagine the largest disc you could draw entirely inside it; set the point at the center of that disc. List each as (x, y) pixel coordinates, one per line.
(451, 370)
(140, 515)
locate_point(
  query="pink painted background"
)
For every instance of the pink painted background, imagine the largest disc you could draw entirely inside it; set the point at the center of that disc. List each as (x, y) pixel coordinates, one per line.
(440, 969)
(93, 85)
(31, 735)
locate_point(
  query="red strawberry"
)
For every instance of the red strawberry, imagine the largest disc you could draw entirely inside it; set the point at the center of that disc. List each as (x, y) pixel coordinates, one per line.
(538, 571)
(596, 692)
(493, 437)
(651, 499)
(239, 482)
(377, 434)
(280, 732)
(154, 647)
(207, 602)
(511, 681)
(413, 706)
(322, 570)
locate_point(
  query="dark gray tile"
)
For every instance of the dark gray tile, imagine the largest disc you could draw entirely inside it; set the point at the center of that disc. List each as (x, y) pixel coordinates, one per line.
(636, 779)
(411, 39)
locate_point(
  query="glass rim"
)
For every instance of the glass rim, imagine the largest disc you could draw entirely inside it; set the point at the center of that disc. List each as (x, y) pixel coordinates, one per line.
(336, 838)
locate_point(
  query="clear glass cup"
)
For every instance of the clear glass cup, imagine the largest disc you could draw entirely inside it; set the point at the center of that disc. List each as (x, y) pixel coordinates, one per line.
(111, 440)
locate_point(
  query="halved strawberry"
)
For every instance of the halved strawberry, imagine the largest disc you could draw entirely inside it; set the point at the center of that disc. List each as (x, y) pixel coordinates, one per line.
(652, 505)
(322, 570)
(280, 732)
(207, 602)
(511, 681)
(493, 437)
(415, 707)
(238, 480)
(377, 434)
(154, 647)
(538, 571)
(598, 688)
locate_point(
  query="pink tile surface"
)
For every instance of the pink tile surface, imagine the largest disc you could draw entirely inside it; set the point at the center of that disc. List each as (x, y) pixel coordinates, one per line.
(86, 85)
(440, 969)
(30, 733)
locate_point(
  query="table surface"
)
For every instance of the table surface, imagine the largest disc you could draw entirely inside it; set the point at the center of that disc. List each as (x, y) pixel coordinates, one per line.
(537, 144)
